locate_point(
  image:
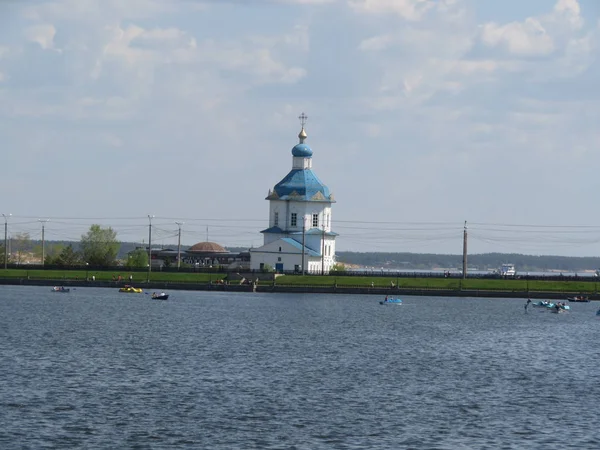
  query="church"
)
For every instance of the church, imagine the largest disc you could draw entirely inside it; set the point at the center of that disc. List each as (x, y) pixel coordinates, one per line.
(299, 237)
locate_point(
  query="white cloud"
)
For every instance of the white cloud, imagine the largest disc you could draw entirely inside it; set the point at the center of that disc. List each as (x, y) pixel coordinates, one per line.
(94, 11)
(407, 9)
(536, 36)
(520, 38)
(306, 2)
(416, 58)
(569, 11)
(42, 35)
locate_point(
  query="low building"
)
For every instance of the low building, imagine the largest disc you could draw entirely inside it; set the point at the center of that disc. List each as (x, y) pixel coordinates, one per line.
(200, 255)
(211, 254)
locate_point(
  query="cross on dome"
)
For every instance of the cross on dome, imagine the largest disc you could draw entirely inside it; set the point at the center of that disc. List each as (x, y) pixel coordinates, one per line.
(303, 118)
(302, 135)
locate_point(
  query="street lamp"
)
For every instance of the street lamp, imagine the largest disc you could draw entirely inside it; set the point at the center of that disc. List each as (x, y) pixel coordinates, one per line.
(87, 267)
(43, 222)
(5, 240)
(150, 217)
(179, 245)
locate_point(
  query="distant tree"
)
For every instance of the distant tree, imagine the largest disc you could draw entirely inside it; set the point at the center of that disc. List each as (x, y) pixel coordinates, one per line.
(68, 257)
(338, 267)
(99, 246)
(21, 244)
(2, 255)
(267, 268)
(137, 258)
(51, 253)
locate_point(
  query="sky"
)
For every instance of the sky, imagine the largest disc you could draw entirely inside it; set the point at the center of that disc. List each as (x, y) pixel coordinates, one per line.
(422, 114)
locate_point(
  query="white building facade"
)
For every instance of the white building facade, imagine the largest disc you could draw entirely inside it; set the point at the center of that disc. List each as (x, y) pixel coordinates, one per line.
(300, 236)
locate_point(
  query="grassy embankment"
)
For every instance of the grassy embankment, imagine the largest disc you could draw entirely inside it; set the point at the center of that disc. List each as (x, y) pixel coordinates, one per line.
(588, 287)
(138, 277)
(443, 283)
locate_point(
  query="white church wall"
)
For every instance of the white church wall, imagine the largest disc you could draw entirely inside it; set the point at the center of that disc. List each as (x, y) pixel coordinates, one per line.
(274, 253)
(300, 162)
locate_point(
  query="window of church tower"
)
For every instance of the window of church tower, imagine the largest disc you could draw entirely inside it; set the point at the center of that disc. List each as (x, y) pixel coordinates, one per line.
(294, 219)
(315, 220)
(276, 219)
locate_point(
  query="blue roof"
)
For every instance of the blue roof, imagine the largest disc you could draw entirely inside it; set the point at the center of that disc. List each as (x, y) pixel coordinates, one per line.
(302, 150)
(315, 231)
(298, 245)
(301, 184)
(278, 230)
(273, 230)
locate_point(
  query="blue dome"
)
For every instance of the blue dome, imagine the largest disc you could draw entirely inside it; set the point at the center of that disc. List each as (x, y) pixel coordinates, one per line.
(302, 185)
(302, 150)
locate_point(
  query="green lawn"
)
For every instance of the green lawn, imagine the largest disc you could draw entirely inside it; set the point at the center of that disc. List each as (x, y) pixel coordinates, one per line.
(315, 280)
(138, 277)
(438, 283)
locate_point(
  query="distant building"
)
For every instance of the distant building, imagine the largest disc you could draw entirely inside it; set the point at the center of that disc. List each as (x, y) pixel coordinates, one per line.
(299, 237)
(211, 254)
(201, 255)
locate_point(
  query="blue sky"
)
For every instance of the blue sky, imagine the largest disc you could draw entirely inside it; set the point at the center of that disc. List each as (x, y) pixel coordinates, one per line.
(422, 114)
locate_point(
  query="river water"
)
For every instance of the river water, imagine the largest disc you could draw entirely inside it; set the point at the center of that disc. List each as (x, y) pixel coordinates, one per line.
(97, 369)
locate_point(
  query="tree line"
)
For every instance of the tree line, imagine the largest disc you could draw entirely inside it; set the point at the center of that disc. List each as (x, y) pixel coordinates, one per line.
(483, 261)
(98, 247)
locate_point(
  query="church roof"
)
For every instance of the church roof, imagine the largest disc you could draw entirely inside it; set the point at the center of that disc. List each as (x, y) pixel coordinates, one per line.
(298, 245)
(273, 230)
(301, 185)
(206, 247)
(315, 231)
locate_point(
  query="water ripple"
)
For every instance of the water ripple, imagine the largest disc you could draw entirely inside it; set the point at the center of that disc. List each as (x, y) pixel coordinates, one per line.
(98, 369)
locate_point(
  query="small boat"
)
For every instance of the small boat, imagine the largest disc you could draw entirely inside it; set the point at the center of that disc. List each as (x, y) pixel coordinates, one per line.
(579, 298)
(507, 270)
(60, 289)
(131, 289)
(161, 296)
(391, 301)
(552, 306)
(560, 308)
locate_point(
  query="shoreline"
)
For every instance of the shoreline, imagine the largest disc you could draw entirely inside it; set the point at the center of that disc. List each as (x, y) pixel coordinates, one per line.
(274, 288)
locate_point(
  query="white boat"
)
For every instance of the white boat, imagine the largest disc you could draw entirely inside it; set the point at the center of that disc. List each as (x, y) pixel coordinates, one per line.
(507, 270)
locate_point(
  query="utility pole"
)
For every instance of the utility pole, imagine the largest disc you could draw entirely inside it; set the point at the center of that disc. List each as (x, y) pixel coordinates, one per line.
(323, 250)
(6, 240)
(179, 224)
(464, 274)
(43, 221)
(303, 241)
(149, 245)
